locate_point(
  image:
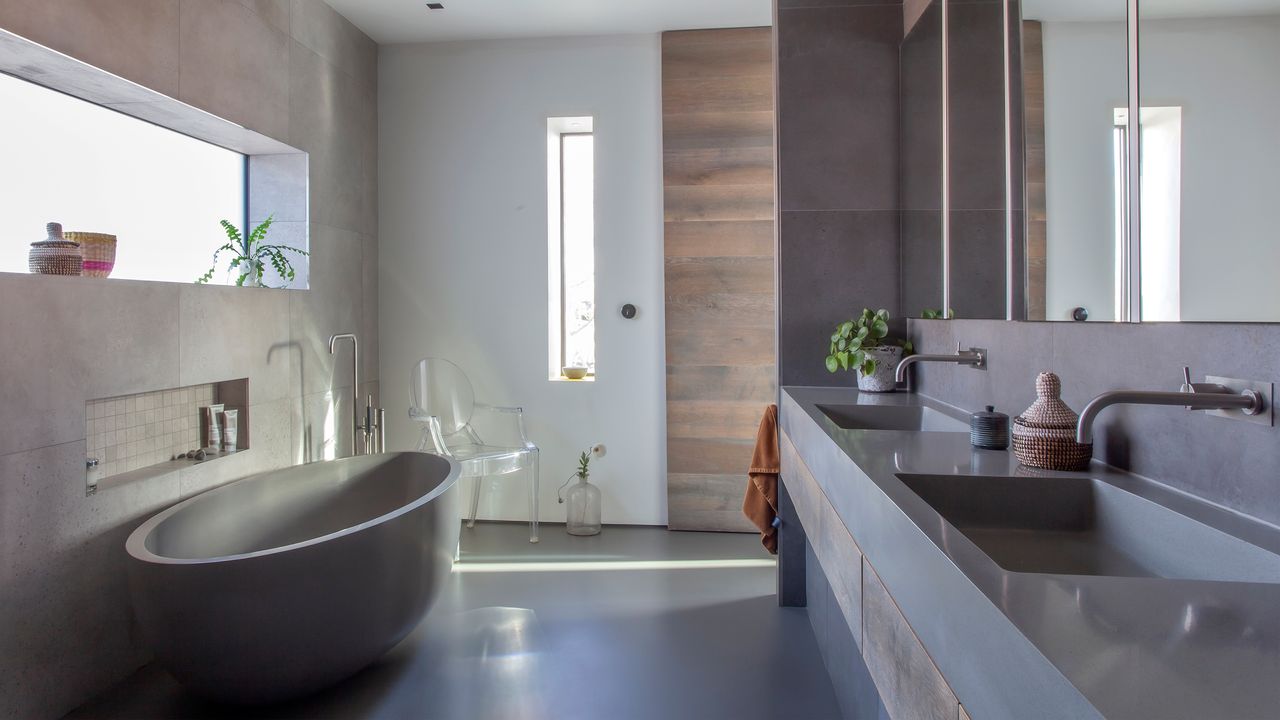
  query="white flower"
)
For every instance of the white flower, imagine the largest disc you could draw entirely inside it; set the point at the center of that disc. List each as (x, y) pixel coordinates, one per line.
(599, 450)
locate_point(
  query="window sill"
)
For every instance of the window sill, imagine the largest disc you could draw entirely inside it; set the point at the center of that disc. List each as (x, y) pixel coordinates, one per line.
(563, 379)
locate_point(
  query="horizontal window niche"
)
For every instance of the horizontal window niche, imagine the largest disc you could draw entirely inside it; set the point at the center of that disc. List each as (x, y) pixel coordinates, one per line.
(138, 180)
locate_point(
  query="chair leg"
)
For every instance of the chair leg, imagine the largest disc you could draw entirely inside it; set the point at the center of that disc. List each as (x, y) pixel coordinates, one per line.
(475, 501)
(533, 501)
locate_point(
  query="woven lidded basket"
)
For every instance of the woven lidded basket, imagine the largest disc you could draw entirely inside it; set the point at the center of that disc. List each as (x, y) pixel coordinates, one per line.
(99, 250)
(1045, 435)
(55, 255)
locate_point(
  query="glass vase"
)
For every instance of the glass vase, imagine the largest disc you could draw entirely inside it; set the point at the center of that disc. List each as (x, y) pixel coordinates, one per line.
(583, 506)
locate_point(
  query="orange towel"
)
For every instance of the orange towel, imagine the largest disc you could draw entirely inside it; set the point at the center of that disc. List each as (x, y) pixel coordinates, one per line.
(761, 503)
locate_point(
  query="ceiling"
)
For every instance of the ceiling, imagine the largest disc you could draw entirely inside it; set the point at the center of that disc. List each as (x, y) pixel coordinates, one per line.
(405, 21)
(1094, 10)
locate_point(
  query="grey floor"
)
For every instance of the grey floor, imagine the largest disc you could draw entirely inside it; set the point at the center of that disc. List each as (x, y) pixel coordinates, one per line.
(634, 623)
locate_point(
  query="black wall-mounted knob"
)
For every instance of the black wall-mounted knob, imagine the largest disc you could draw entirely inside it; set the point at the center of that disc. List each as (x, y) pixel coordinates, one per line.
(1080, 314)
(629, 311)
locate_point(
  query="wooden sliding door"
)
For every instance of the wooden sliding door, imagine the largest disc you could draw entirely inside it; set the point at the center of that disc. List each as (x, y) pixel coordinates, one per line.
(717, 113)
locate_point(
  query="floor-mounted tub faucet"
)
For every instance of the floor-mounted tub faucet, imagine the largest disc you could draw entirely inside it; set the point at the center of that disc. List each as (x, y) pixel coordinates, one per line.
(975, 358)
(369, 436)
(1192, 396)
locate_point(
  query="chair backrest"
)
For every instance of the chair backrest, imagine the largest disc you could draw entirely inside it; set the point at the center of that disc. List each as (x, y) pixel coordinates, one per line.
(440, 388)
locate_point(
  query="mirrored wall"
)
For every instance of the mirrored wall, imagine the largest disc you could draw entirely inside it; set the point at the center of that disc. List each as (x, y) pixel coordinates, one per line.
(1125, 172)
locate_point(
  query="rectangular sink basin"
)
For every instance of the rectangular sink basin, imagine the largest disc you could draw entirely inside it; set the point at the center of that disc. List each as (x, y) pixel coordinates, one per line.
(892, 417)
(1082, 526)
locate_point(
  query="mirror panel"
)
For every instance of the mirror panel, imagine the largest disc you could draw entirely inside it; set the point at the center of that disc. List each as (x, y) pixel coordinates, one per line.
(977, 202)
(1210, 100)
(1074, 72)
(921, 158)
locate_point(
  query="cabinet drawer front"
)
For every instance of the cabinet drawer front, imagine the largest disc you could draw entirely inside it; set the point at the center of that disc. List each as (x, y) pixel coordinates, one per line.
(909, 683)
(804, 490)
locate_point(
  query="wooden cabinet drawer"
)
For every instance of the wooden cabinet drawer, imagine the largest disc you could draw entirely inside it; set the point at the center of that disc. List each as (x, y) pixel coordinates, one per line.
(805, 493)
(910, 685)
(839, 555)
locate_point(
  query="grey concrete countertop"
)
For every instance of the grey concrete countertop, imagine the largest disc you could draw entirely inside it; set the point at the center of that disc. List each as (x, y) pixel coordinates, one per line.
(1027, 645)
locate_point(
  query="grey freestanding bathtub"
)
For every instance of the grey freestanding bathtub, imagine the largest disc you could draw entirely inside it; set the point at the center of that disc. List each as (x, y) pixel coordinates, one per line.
(282, 583)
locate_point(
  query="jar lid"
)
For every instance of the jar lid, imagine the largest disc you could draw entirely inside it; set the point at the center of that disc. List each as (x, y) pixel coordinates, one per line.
(989, 413)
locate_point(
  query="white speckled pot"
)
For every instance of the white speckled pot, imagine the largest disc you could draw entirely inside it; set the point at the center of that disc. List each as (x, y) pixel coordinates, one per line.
(882, 380)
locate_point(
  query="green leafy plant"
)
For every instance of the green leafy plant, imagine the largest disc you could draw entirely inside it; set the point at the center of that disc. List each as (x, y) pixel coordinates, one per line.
(584, 465)
(935, 314)
(853, 338)
(251, 254)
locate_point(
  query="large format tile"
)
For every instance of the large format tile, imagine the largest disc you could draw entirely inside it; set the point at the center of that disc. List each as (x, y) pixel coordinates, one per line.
(838, 107)
(278, 187)
(369, 360)
(832, 265)
(331, 306)
(334, 38)
(213, 349)
(135, 39)
(328, 113)
(275, 12)
(66, 626)
(235, 65)
(322, 426)
(69, 340)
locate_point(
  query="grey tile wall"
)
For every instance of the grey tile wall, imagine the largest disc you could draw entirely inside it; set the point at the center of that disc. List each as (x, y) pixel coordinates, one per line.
(292, 69)
(1224, 461)
(837, 131)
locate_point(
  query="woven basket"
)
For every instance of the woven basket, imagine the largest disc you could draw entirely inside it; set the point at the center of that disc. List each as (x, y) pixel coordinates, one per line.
(1045, 435)
(99, 251)
(55, 255)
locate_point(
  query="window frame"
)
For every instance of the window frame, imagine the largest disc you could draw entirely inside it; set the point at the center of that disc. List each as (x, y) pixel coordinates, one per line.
(564, 310)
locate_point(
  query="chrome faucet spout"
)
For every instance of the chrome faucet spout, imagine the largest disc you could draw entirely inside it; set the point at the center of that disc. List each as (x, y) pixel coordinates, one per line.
(973, 357)
(356, 430)
(1250, 401)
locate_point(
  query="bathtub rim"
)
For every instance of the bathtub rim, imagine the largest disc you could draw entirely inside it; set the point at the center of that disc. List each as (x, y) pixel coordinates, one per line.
(136, 543)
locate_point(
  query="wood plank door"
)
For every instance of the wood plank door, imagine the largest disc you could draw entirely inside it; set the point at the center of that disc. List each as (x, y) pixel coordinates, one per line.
(719, 251)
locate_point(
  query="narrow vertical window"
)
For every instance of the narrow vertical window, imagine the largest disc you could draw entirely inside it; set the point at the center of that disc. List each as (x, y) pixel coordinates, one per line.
(571, 245)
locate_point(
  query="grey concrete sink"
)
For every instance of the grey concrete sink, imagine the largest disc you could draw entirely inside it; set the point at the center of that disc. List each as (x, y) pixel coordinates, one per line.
(892, 417)
(1083, 526)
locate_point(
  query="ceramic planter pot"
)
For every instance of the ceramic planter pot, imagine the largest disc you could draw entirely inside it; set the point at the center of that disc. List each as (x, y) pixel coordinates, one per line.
(882, 380)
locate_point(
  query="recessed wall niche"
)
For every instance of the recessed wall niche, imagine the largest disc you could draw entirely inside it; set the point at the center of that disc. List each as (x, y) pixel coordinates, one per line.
(135, 437)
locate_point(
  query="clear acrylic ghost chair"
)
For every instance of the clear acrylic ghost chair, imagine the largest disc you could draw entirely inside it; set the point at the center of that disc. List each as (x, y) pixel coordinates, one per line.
(444, 402)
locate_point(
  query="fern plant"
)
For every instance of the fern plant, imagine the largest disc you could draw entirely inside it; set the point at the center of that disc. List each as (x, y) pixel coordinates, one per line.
(251, 254)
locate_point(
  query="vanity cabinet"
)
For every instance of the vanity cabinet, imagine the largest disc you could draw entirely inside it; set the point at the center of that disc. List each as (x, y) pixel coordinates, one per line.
(910, 685)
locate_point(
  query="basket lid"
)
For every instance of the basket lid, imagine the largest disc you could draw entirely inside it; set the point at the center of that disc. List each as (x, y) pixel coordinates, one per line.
(1048, 411)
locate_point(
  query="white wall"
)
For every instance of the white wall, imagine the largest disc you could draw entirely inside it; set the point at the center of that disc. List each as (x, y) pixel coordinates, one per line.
(463, 259)
(1222, 73)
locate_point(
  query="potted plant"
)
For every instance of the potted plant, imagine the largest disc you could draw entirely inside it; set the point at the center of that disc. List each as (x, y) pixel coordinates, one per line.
(250, 255)
(863, 344)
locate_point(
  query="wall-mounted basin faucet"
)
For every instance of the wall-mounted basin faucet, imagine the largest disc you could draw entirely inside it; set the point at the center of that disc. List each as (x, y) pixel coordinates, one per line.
(1192, 396)
(368, 436)
(975, 358)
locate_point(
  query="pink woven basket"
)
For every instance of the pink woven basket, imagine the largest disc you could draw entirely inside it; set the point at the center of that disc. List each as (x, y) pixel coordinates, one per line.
(99, 251)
